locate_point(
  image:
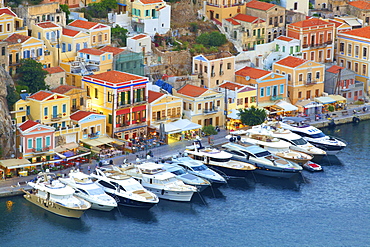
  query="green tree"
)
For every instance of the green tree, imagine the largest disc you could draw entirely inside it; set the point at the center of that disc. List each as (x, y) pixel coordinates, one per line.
(217, 39)
(32, 75)
(193, 27)
(252, 116)
(119, 34)
(209, 130)
(11, 97)
(203, 39)
(65, 9)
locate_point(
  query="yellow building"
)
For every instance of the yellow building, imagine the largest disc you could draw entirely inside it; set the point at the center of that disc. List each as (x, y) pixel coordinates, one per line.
(99, 34)
(305, 78)
(217, 10)
(91, 124)
(353, 53)
(163, 107)
(88, 61)
(213, 69)
(22, 47)
(10, 23)
(202, 106)
(77, 96)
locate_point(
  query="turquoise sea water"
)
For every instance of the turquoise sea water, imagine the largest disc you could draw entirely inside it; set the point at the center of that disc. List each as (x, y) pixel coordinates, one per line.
(321, 209)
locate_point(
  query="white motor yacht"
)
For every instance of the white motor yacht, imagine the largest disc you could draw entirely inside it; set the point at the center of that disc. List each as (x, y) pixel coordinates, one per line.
(262, 138)
(52, 195)
(197, 168)
(159, 181)
(123, 188)
(313, 135)
(86, 189)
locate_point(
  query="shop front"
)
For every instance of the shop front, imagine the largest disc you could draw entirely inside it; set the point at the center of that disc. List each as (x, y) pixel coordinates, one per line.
(182, 129)
(15, 167)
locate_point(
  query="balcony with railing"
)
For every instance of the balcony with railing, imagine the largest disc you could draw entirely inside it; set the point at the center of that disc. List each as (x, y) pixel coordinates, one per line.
(41, 150)
(310, 82)
(56, 117)
(130, 124)
(211, 110)
(94, 135)
(276, 97)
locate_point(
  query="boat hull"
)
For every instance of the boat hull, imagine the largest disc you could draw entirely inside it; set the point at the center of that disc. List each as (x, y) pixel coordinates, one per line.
(180, 196)
(100, 207)
(54, 207)
(229, 172)
(127, 202)
(276, 173)
(329, 149)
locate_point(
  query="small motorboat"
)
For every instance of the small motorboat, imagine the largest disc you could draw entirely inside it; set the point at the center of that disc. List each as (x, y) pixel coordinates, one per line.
(312, 167)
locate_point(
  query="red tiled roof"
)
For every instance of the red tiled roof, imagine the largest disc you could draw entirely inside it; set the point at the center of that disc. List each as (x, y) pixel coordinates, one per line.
(140, 36)
(14, 38)
(100, 26)
(312, 22)
(284, 38)
(150, 1)
(28, 124)
(7, 11)
(360, 4)
(54, 70)
(70, 32)
(47, 24)
(245, 18)
(259, 5)
(83, 24)
(291, 61)
(78, 115)
(252, 72)
(334, 69)
(231, 86)
(247, 89)
(114, 50)
(92, 51)
(114, 76)
(152, 95)
(232, 21)
(336, 23)
(63, 89)
(40, 95)
(360, 32)
(191, 90)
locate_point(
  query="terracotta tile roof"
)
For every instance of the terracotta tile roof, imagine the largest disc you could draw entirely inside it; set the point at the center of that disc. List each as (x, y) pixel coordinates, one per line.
(28, 124)
(245, 18)
(69, 32)
(312, 22)
(334, 69)
(291, 61)
(247, 89)
(232, 21)
(114, 76)
(7, 11)
(360, 4)
(152, 95)
(140, 36)
(252, 72)
(359, 32)
(40, 95)
(47, 24)
(79, 115)
(114, 50)
(284, 38)
(336, 23)
(63, 89)
(192, 91)
(54, 70)
(231, 86)
(151, 1)
(100, 26)
(92, 51)
(259, 5)
(14, 38)
(83, 24)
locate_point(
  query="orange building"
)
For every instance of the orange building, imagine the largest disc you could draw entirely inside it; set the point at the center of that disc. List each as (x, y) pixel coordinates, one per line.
(316, 39)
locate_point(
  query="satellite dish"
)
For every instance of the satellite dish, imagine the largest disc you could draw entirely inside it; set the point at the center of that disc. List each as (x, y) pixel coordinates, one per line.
(247, 78)
(19, 40)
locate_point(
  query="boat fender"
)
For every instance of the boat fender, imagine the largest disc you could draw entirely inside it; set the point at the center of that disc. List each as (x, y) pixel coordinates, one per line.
(355, 119)
(162, 193)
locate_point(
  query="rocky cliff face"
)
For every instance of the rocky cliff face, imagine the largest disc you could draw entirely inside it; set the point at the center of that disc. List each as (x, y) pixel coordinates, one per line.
(7, 133)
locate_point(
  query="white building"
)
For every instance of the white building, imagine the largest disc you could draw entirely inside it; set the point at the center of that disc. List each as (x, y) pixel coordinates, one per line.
(296, 5)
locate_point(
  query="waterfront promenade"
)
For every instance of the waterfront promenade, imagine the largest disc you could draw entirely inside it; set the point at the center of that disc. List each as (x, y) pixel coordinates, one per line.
(12, 186)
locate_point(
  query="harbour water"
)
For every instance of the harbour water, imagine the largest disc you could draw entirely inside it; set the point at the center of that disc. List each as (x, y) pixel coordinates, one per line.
(331, 208)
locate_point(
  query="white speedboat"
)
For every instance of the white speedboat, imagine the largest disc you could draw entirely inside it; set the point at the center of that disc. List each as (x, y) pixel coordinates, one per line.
(312, 167)
(159, 181)
(219, 160)
(262, 138)
(50, 194)
(186, 177)
(86, 189)
(266, 163)
(123, 188)
(197, 168)
(313, 135)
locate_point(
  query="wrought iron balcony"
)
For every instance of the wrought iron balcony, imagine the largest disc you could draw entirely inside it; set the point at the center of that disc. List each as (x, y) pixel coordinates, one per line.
(56, 117)
(210, 111)
(276, 97)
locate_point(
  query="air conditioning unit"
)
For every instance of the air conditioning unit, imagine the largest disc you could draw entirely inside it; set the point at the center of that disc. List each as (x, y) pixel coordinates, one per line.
(325, 94)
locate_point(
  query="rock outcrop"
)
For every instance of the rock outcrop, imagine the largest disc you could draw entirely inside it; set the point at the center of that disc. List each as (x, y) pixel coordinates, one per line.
(7, 130)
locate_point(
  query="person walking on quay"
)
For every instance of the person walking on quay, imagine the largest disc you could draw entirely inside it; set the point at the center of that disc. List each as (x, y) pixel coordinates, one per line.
(88, 169)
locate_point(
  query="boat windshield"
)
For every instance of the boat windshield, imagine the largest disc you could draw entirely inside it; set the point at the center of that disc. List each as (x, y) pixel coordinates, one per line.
(318, 135)
(96, 191)
(178, 172)
(220, 159)
(199, 168)
(263, 154)
(299, 141)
